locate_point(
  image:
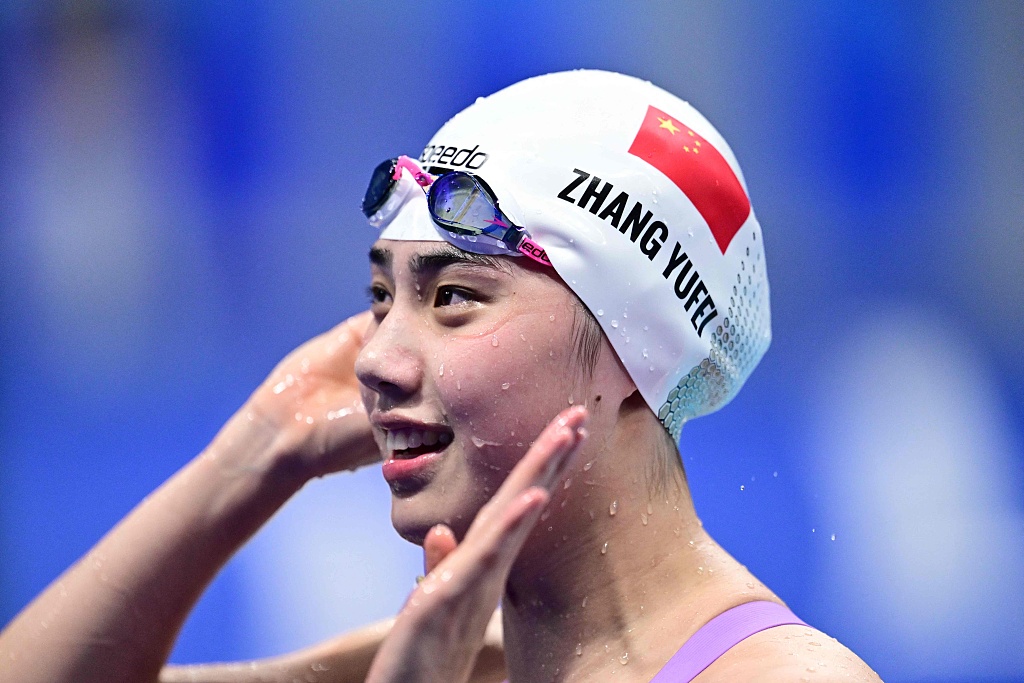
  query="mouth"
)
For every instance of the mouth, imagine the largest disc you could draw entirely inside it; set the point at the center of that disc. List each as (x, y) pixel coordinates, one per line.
(409, 443)
(412, 456)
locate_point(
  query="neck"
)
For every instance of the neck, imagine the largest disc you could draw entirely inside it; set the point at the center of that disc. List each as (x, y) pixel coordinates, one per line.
(618, 575)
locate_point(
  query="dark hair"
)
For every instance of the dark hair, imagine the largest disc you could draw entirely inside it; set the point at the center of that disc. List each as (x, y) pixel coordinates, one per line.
(586, 349)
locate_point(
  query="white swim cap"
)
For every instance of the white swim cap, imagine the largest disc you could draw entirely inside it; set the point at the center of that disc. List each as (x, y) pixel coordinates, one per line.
(643, 211)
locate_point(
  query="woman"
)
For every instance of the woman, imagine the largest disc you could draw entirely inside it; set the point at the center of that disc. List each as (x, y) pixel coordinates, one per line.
(620, 282)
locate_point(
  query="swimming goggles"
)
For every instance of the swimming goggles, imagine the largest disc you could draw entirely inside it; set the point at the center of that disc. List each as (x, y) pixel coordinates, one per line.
(461, 205)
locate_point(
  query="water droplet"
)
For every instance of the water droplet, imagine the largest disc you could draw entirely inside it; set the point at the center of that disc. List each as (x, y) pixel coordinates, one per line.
(440, 370)
(494, 340)
(458, 384)
(643, 519)
(600, 311)
(551, 318)
(586, 468)
(650, 509)
(624, 659)
(741, 487)
(505, 386)
(613, 508)
(833, 537)
(585, 598)
(775, 474)
(570, 400)
(579, 649)
(750, 584)
(646, 328)
(568, 483)
(645, 353)
(700, 570)
(615, 323)
(812, 530)
(604, 548)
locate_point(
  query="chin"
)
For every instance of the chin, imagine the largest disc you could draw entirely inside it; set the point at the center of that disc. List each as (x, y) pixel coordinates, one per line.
(414, 516)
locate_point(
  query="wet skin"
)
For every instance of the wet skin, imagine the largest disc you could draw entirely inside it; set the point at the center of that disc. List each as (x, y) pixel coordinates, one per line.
(475, 350)
(589, 590)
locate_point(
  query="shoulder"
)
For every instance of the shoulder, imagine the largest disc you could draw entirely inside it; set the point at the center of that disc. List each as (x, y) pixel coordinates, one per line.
(788, 654)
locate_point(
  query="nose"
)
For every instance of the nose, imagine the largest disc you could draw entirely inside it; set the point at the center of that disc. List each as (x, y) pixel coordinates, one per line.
(390, 363)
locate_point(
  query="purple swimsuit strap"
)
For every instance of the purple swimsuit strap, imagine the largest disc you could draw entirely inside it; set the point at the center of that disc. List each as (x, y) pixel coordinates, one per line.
(716, 637)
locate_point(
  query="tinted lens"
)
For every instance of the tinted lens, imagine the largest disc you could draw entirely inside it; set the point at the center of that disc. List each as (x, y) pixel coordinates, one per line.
(459, 203)
(381, 183)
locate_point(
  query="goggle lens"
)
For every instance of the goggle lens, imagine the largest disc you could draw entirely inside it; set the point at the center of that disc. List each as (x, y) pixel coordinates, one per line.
(380, 186)
(460, 203)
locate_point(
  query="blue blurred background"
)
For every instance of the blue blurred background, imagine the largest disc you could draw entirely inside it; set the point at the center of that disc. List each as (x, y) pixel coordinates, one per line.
(179, 188)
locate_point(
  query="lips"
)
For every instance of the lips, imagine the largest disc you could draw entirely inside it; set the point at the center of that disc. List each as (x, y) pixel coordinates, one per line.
(412, 455)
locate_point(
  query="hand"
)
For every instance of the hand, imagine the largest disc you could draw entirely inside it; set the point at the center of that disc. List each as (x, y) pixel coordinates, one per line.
(438, 633)
(312, 402)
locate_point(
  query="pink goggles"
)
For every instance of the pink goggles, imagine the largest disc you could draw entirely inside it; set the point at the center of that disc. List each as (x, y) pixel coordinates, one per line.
(461, 205)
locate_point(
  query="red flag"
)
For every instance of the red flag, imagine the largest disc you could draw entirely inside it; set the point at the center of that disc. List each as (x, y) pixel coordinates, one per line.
(696, 168)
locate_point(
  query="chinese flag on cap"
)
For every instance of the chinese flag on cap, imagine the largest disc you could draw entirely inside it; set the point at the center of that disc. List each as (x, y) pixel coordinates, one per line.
(696, 168)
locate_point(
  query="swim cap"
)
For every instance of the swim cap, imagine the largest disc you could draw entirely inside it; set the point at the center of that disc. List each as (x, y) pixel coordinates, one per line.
(643, 211)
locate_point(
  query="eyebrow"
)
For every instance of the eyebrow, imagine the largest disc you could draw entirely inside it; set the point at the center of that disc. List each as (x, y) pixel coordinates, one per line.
(437, 259)
(446, 255)
(381, 257)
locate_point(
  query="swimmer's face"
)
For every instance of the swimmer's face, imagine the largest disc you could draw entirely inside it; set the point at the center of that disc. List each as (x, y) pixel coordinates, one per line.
(466, 361)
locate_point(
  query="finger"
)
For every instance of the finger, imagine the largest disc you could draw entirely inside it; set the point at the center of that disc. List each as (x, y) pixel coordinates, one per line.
(478, 569)
(438, 544)
(497, 543)
(452, 606)
(348, 336)
(544, 462)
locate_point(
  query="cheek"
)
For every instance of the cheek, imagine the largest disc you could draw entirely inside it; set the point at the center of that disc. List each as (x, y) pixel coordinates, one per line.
(500, 389)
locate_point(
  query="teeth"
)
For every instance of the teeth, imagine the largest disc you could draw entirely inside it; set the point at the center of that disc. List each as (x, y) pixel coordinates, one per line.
(401, 439)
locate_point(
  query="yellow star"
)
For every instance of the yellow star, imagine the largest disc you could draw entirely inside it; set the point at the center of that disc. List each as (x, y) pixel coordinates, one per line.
(668, 125)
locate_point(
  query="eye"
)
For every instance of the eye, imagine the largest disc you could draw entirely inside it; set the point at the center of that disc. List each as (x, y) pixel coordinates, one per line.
(380, 298)
(377, 294)
(452, 296)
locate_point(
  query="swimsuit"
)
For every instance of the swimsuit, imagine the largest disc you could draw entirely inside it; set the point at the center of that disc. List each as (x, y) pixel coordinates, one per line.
(718, 636)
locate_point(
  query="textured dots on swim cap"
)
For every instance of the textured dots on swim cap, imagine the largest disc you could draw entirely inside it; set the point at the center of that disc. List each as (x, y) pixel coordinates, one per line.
(734, 352)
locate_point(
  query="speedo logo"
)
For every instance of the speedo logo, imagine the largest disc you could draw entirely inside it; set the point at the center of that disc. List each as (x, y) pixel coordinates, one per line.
(453, 157)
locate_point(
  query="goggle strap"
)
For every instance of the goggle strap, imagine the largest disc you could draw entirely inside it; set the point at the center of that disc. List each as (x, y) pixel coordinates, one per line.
(528, 247)
(422, 178)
